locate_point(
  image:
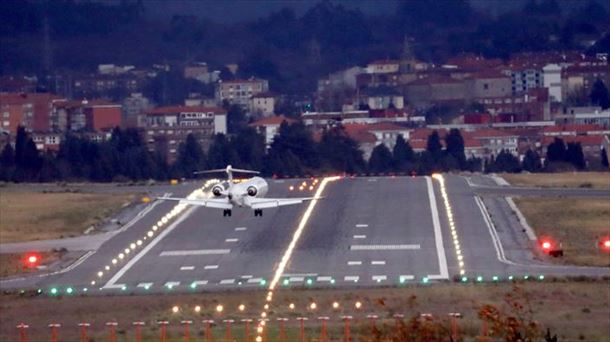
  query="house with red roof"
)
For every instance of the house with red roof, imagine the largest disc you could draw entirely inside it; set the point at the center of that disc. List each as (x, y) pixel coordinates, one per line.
(269, 127)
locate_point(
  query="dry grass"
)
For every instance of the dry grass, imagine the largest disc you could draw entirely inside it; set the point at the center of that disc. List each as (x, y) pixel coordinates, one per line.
(572, 310)
(596, 180)
(26, 216)
(576, 223)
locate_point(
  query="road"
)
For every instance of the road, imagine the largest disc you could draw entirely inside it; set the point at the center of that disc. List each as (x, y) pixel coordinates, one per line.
(365, 232)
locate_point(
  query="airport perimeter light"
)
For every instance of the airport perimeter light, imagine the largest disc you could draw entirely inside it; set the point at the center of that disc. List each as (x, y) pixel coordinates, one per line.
(604, 243)
(32, 260)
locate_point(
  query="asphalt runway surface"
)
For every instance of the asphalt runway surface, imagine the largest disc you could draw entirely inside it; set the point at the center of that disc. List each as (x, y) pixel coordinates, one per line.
(372, 231)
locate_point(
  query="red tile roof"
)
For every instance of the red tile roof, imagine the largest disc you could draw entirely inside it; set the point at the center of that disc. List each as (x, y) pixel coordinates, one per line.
(359, 133)
(272, 120)
(576, 128)
(488, 133)
(584, 140)
(186, 109)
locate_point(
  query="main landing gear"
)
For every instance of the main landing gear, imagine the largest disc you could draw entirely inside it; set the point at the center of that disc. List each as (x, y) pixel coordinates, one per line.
(258, 212)
(226, 212)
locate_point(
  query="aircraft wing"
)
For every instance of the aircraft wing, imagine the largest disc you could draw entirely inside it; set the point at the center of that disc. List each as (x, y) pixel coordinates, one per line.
(263, 203)
(210, 203)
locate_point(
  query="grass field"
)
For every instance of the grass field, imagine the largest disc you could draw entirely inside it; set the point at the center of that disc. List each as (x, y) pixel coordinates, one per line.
(577, 224)
(596, 180)
(27, 216)
(11, 264)
(573, 310)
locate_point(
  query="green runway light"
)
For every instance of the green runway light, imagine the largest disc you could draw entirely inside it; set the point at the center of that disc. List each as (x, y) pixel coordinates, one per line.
(425, 280)
(146, 287)
(464, 279)
(170, 286)
(69, 290)
(526, 277)
(309, 281)
(494, 278)
(263, 282)
(193, 285)
(39, 291)
(332, 281)
(123, 288)
(85, 289)
(286, 282)
(54, 291)
(541, 277)
(402, 280)
(510, 277)
(479, 279)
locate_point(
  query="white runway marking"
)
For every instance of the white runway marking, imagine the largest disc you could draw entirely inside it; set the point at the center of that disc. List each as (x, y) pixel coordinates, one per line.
(240, 229)
(148, 247)
(372, 179)
(407, 277)
(378, 262)
(196, 252)
(354, 263)
(231, 240)
(383, 247)
(359, 236)
(227, 281)
(351, 278)
(362, 225)
(145, 285)
(300, 274)
(296, 279)
(200, 282)
(254, 280)
(187, 268)
(438, 236)
(210, 267)
(379, 277)
(325, 278)
(172, 284)
(247, 276)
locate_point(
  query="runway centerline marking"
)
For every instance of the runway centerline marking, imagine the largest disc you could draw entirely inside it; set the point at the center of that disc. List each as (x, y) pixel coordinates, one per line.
(240, 229)
(378, 262)
(384, 247)
(187, 268)
(359, 236)
(196, 252)
(438, 235)
(354, 263)
(362, 225)
(231, 240)
(210, 267)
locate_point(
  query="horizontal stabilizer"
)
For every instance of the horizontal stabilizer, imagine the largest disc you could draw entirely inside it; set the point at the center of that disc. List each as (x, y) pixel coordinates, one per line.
(220, 203)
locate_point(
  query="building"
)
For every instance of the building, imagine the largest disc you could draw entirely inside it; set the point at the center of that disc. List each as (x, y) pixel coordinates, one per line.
(263, 104)
(47, 141)
(585, 116)
(166, 127)
(34, 111)
(382, 98)
(551, 75)
(240, 91)
(133, 106)
(489, 84)
(101, 115)
(269, 127)
(386, 66)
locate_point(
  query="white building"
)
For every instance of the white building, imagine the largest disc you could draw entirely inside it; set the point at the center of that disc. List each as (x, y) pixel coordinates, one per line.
(269, 127)
(240, 91)
(263, 103)
(551, 75)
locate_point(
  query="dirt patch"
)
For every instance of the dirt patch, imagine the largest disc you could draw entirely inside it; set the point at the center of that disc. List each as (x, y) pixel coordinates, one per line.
(28, 216)
(594, 180)
(576, 224)
(572, 310)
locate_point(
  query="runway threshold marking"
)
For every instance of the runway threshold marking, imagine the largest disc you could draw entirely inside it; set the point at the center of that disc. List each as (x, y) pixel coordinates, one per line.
(196, 252)
(254, 280)
(379, 277)
(145, 285)
(172, 284)
(324, 278)
(354, 263)
(384, 247)
(351, 278)
(210, 267)
(200, 282)
(438, 235)
(227, 281)
(187, 268)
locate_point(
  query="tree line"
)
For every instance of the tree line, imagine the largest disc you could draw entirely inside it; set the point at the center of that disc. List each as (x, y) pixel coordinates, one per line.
(293, 152)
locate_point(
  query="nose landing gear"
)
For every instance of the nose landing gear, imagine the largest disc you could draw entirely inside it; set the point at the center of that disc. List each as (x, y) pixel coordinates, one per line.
(258, 212)
(226, 212)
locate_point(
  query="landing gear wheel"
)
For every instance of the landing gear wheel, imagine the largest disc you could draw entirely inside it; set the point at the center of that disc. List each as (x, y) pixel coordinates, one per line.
(258, 212)
(226, 212)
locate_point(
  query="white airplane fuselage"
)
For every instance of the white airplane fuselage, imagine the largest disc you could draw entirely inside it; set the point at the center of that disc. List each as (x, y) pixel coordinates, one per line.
(239, 193)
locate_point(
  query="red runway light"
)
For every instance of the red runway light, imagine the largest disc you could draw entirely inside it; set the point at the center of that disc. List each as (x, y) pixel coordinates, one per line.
(546, 245)
(32, 259)
(604, 243)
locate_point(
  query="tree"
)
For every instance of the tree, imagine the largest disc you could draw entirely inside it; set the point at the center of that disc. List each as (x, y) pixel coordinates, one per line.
(531, 161)
(7, 162)
(221, 153)
(236, 119)
(296, 139)
(599, 94)
(455, 147)
(339, 152)
(402, 154)
(381, 159)
(556, 151)
(190, 157)
(504, 162)
(20, 141)
(604, 157)
(250, 148)
(575, 156)
(434, 146)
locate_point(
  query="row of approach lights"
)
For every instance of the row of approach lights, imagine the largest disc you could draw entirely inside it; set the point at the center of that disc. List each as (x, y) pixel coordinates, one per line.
(154, 229)
(303, 186)
(454, 235)
(219, 309)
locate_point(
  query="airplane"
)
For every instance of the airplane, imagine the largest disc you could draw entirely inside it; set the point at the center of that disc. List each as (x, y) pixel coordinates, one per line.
(249, 193)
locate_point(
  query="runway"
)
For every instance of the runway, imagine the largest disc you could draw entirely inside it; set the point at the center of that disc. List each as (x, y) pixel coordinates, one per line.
(372, 231)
